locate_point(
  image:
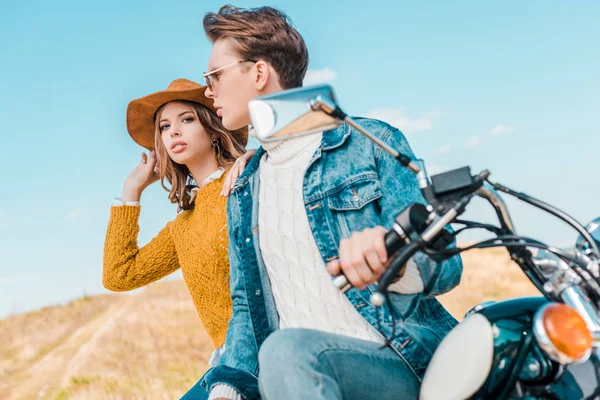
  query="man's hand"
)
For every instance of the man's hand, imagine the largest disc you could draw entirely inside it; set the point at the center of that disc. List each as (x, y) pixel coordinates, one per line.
(363, 257)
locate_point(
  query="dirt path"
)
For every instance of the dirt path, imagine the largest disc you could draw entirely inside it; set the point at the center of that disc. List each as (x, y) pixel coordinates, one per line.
(57, 367)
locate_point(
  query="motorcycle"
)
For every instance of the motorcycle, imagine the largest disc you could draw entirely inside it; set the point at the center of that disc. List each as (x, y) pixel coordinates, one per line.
(527, 348)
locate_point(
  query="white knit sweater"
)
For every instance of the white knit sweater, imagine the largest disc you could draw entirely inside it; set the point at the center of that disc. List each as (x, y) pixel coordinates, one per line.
(303, 289)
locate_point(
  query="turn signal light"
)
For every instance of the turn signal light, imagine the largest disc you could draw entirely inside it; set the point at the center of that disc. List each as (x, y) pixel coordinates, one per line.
(562, 333)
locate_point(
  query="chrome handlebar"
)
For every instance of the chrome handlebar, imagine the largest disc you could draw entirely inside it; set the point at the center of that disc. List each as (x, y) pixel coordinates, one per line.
(564, 279)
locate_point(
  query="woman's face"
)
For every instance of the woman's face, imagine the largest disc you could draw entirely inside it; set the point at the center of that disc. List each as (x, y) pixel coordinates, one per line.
(182, 134)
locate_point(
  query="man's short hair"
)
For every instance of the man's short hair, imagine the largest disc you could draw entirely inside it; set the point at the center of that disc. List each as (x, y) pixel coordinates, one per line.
(263, 33)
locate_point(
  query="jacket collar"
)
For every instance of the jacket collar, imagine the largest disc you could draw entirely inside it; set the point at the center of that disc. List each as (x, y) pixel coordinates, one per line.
(332, 139)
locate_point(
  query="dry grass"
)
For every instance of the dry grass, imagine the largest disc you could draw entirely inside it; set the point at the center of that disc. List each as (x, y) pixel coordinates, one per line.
(152, 345)
(147, 346)
(488, 274)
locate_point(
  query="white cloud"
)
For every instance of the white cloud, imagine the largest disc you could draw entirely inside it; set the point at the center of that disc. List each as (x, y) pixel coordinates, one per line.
(444, 149)
(76, 213)
(501, 130)
(474, 142)
(398, 117)
(317, 76)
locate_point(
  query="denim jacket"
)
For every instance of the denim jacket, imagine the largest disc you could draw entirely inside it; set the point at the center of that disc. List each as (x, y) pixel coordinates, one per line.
(350, 185)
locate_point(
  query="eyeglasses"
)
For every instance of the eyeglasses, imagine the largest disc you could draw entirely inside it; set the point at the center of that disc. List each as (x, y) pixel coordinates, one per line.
(209, 76)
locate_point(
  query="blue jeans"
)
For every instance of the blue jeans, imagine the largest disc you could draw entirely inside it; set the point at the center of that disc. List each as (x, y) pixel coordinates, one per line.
(310, 364)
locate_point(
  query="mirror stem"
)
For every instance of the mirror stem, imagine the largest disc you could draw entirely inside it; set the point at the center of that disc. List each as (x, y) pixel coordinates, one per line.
(324, 105)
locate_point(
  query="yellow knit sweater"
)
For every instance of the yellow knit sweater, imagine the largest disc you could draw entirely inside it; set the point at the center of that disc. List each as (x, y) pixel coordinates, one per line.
(196, 242)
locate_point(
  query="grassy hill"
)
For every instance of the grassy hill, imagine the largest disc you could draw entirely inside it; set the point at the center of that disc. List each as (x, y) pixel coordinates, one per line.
(151, 345)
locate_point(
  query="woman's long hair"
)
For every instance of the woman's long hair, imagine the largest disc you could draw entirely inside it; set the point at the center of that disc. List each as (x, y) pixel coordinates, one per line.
(228, 148)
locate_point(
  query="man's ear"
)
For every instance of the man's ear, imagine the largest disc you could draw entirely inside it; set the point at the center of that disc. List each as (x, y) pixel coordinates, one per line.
(263, 74)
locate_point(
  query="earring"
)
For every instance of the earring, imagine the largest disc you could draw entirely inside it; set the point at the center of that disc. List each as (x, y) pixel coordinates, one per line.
(215, 144)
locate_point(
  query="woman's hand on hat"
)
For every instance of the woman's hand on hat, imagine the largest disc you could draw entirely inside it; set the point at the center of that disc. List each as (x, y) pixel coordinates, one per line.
(143, 175)
(236, 170)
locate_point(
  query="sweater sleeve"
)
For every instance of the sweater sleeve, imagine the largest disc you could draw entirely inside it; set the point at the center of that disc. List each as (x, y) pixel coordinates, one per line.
(126, 266)
(224, 391)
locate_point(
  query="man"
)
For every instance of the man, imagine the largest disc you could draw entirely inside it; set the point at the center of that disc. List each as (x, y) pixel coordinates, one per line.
(303, 210)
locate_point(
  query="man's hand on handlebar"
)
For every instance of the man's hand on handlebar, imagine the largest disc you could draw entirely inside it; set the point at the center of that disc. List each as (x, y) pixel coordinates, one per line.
(363, 257)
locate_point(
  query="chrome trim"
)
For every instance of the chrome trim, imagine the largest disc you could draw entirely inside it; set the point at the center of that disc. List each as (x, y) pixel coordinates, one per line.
(594, 267)
(543, 341)
(341, 282)
(489, 193)
(480, 307)
(592, 226)
(436, 227)
(396, 227)
(422, 176)
(573, 297)
(581, 244)
(561, 280)
(546, 264)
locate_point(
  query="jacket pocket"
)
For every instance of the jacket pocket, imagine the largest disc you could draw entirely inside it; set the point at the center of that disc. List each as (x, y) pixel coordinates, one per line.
(354, 206)
(355, 196)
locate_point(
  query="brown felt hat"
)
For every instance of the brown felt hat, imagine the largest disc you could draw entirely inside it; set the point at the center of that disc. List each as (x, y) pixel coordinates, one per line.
(141, 112)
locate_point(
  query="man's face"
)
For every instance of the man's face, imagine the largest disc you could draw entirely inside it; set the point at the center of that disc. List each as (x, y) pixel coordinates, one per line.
(233, 87)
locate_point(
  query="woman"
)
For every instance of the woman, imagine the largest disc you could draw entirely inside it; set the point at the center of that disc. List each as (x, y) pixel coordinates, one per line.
(196, 156)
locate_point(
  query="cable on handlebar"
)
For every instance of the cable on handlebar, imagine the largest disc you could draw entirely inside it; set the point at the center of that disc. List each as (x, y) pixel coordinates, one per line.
(517, 241)
(475, 225)
(551, 210)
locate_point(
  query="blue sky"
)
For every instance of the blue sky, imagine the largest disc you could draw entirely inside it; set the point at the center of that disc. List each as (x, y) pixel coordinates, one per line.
(509, 86)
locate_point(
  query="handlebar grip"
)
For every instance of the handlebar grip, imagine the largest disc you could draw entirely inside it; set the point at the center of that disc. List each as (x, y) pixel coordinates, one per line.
(393, 270)
(393, 242)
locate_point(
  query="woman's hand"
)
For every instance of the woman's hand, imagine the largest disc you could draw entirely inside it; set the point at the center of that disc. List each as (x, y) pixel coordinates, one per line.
(236, 171)
(145, 174)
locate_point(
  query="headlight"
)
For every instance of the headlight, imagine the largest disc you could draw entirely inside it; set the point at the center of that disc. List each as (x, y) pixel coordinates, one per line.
(462, 362)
